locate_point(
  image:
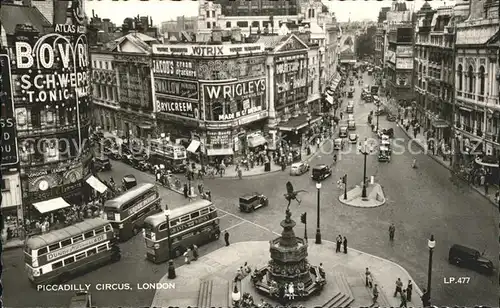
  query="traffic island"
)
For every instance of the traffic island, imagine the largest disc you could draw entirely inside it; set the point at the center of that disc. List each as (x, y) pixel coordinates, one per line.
(210, 281)
(374, 196)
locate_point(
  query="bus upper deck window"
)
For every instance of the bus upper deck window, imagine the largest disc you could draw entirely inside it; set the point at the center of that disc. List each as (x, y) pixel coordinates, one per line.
(78, 238)
(108, 228)
(185, 218)
(174, 222)
(194, 215)
(54, 247)
(204, 211)
(89, 234)
(66, 243)
(42, 251)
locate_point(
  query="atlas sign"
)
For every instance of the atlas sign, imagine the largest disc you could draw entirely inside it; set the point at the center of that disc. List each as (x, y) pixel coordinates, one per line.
(208, 50)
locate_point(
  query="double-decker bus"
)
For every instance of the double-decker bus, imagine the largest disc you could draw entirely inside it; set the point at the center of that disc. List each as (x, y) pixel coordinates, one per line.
(195, 223)
(127, 211)
(61, 254)
(171, 155)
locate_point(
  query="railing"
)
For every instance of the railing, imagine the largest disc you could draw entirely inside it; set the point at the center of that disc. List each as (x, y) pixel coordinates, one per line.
(480, 98)
(470, 96)
(459, 93)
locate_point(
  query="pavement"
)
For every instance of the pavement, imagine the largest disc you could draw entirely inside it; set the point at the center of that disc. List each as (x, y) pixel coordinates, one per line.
(374, 196)
(341, 269)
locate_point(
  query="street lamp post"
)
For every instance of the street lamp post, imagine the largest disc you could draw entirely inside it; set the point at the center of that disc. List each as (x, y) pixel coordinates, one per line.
(345, 186)
(431, 243)
(378, 113)
(318, 231)
(364, 149)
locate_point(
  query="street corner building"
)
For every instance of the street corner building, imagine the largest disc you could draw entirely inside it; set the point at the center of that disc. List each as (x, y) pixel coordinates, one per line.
(47, 47)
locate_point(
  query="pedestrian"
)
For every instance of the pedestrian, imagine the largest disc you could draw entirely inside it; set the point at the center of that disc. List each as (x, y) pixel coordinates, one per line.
(200, 188)
(409, 290)
(368, 281)
(195, 252)
(247, 268)
(226, 237)
(392, 230)
(339, 243)
(399, 287)
(426, 299)
(187, 256)
(240, 174)
(345, 244)
(403, 300)
(341, 115)
(375, 294)
(497, 196)
(486, 186)
(186, 191)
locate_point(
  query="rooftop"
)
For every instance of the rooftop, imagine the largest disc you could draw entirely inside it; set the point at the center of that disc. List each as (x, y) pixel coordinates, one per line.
(13, 15)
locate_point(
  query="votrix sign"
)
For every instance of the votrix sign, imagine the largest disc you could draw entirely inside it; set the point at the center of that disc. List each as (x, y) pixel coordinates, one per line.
(7, 121)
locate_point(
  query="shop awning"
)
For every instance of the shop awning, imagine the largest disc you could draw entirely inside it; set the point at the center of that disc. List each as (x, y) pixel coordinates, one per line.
(329, 92)
(440, 124)
(193, 146)
(145, 126)
(255, 141)
(480, 161)
(297, 123)
(51, 205)
(329, 99)
(465, 109)
(96, 184)
(219, 152)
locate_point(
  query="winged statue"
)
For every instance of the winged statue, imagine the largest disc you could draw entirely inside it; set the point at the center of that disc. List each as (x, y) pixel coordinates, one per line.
(292, 194)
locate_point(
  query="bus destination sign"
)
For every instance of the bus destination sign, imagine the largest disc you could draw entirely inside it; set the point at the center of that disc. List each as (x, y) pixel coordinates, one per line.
(189, 224)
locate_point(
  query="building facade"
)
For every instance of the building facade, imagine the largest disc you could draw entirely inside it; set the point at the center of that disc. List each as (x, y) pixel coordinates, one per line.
(51, 91)
(399, 55)
(477, 109)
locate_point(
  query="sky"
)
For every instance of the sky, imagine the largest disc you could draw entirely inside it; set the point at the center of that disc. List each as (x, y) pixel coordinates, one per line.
(165, 10)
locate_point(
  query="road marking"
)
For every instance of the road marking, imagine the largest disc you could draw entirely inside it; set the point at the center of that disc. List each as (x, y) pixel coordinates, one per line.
(234, 226)
(223, 216)
(248, 221)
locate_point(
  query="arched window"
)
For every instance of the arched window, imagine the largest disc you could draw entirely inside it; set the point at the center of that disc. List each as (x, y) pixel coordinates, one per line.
(470, 74)
(481, 80)
(460, 77)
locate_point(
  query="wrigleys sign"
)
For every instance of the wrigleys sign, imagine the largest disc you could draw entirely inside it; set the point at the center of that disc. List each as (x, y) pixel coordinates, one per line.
(239, 89)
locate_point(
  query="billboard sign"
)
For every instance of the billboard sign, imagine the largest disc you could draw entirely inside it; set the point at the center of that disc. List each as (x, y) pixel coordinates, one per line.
(177, 87)
(175, 68)
(404, 63)
(177, 107)
(236, 89)
(404, 51)
(10, 154)
(208, 50)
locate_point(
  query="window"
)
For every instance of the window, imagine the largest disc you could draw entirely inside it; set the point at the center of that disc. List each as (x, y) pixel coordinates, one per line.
(470, 74)
(66, 243)
(228, 24)
(92, 251)
(69, 260)
(80, 256)
(185, 218)
(107, 228)
(242, 24)
(57, 265)
(481, 80)
(208, 24)
(89, 234)
(54, 247)
(194, 215)
(42, 251)
(460, 77)
(255, 24)
(99, 231)
(5, 185)
(214, 25)
(208, 14)
(174, 222)
(213, 13)
(102, 247)
(78, 238)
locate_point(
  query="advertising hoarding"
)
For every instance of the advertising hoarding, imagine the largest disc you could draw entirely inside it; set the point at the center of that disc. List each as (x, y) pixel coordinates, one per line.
(135, 81)
(175, 68)
(10, 155)
(177, 107)
(240, 68)
(235, 89)
(404, 51)
(208, 50)
(404, 63)
(177, 87)
(291, 74)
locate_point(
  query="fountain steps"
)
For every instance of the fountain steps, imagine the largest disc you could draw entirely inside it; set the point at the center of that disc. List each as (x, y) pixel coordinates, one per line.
(343, 297)
(205, 294)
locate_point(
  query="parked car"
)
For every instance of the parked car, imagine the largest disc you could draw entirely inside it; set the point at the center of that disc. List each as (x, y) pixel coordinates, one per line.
(299, 168)
(470, 258)
(101, 163)
(82, 299)
(321, 172)
(343, 132)
(251, 202)
(353, 138)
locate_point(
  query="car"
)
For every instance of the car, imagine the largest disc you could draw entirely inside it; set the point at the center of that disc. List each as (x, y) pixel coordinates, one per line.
(351, 125)
(321, 172)
(353, 138)
(299, 168)
(129, 181)
(471, 258)
(101, 163)
(349, 109)
(350, 117)
(82, 299)
(251, 202)
(343, 132)
(338, 144)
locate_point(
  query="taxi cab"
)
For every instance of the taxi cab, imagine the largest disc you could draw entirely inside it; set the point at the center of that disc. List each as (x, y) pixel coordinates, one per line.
(384, 154)
(350, 117)
(81, 299)
(299, 168)
(343, 132)
(321, 172)
(350, 107)
(351, 125)
(251, 202)
(338, 144)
